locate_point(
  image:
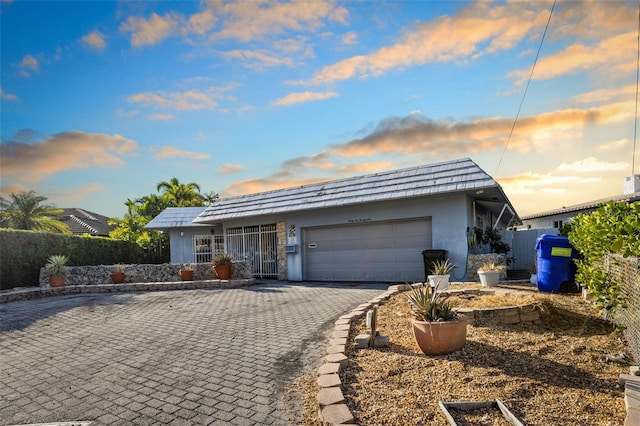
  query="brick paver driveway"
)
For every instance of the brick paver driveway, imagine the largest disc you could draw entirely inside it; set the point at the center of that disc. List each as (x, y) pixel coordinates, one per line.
(176, 357)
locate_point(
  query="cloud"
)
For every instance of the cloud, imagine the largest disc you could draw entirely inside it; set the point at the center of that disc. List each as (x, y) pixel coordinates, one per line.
(77, 193)
(350, 38)
(301, 97)
(62, 152)
(613, 145)
(372, 167)
(247, 21)
(607, 95)
(591, 164)
(153, 30)
(241, 21)
(28, 65)
(532, 183)
(189, 100)
(162, 117)
(615, 55)
(171, 152)
(230, 168)
(472, 32)
(7, 96)
(416, 133)
(266, 184)
(258, 59)
(95, 40)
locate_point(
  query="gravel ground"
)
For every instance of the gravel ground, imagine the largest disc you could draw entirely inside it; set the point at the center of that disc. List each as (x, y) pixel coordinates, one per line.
(555, 373)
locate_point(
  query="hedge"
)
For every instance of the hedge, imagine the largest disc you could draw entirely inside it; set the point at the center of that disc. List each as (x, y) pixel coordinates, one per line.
(23, 253)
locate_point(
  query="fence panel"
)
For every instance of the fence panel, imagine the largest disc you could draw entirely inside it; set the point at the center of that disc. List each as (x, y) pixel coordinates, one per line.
(626, 272)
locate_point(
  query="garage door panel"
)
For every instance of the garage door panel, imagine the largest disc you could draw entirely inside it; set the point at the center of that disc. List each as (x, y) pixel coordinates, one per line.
(389, 251)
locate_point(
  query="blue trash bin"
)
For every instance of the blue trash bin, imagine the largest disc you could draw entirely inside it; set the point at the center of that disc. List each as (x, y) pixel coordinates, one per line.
(556, 269)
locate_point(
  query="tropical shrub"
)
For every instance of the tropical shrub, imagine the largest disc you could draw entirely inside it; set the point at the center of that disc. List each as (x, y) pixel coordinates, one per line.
(613, 228)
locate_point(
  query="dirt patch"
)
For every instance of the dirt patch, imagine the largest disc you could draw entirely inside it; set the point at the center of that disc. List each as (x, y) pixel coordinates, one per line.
(552, 373)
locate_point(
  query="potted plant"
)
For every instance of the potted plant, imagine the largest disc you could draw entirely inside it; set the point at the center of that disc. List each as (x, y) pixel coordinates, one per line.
(489, 274)
(441, 274)
(186, 273)
(436, 326)
(222, 265)
(56, 270)
(117, 276)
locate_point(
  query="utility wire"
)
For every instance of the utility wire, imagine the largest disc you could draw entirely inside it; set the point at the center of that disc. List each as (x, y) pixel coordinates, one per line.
(535, 61)
(635, 122)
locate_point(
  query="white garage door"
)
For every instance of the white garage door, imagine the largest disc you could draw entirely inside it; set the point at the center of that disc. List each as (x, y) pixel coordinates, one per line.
(387, 251)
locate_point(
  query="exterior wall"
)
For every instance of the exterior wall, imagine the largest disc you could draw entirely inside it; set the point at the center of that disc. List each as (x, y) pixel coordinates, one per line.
(181, 242)
(448, 216)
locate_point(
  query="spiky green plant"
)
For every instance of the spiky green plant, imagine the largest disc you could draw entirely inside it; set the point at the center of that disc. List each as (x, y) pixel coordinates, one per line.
(428, 305)
(442, 267)
(56, 265)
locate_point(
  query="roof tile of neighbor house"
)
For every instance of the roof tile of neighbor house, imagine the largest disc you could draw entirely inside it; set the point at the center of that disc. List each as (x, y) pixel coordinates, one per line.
(176, 217)
(432, 179)
(591, 205)
(85, 222)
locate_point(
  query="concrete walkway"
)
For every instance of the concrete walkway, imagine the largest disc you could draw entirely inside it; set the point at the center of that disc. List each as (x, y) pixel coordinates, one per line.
(193, 357)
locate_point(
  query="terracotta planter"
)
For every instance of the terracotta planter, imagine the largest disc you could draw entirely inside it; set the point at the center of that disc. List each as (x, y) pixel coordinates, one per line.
(57, 281)
(489, 278)
(223, 271)
(440, 338)
(186, 275)
(117, 277)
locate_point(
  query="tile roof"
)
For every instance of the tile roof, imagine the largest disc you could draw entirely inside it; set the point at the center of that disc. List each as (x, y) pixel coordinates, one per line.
(427, 180)
(176, 217)
(590, 205)
(85, 222)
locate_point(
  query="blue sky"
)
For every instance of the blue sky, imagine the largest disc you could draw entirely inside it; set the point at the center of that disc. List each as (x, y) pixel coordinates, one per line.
(102, 100)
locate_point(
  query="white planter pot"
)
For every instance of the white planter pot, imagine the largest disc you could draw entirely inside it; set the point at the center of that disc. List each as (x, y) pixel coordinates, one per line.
(489, 278)
(439, 282)
(533, 279)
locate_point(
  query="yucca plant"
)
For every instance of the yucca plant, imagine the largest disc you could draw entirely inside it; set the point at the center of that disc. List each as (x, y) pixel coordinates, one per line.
(428, 305)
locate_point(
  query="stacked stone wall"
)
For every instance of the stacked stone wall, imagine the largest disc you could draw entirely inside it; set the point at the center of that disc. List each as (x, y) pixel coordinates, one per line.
(145, 273)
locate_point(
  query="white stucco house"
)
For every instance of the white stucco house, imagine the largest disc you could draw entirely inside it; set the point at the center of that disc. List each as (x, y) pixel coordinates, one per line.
(366, 228)
(554, 219)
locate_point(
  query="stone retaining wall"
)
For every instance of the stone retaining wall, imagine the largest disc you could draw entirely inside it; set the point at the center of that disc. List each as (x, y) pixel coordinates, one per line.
(145, 273)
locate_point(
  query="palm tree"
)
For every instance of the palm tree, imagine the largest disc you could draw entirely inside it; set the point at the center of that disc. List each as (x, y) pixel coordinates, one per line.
(26, 211)
(151, 205)
(181, 194)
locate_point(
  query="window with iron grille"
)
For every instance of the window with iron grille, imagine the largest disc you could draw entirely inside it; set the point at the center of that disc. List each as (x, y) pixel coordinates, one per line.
(206, 246)
(257, 244)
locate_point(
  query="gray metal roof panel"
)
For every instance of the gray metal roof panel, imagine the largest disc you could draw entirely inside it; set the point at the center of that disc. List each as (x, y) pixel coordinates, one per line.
(416, 181)
(176, 217)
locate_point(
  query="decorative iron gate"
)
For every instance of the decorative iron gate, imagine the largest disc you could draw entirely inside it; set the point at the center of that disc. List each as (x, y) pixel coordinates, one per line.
(258, 244)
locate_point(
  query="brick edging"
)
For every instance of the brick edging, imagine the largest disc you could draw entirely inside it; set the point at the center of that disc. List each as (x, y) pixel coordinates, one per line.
(332, 409)
(39, 292)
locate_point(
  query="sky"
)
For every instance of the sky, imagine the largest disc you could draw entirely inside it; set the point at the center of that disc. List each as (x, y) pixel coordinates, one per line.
(102, 100)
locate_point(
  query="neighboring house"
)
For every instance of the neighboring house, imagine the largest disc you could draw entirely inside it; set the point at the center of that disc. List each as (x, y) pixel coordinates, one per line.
(365, 228)
(557, 217)
(85, 222)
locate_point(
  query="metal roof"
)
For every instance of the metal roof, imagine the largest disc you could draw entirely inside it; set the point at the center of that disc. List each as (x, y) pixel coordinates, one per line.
(176, 217)
(462, 175)
(582, 207)
(85, 222)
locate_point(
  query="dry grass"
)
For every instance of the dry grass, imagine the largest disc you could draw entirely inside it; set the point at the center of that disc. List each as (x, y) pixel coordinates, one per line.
(555, 373)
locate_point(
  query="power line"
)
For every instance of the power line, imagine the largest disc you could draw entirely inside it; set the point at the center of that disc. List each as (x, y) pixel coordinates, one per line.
(535, 61)
(635, 122)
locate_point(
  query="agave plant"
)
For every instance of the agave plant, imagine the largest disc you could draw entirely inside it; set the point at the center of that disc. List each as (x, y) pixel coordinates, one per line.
(492, 266)
(442, 267)
(428, 305)
(56, 265)
(222, 259)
